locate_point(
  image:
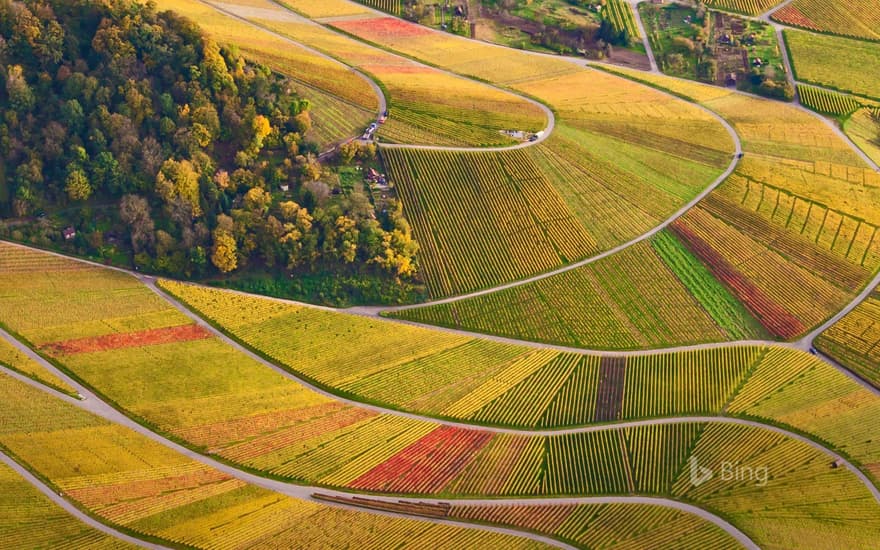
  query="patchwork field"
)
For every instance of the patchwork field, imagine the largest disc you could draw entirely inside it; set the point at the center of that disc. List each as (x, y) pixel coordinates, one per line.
(649, 398)
(461, 377)
(489, 382)
(800, 207)
(220, 402)
(855, 18)
(426, 105)
(132, 482)
(622, 156)
(569, 389)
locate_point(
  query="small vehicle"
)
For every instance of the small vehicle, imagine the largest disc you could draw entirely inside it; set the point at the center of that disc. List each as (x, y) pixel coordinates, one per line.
(368, 133)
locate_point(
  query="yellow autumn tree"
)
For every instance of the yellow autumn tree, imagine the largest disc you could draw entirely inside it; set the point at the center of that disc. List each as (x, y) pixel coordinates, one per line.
(223, 254)
(262, 128)
(179, 179)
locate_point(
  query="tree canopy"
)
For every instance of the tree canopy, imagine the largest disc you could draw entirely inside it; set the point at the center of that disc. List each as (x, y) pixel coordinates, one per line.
(163, 146)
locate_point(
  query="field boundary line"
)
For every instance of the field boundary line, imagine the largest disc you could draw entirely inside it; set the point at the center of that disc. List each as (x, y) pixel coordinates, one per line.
(383, 102)
(91, 398)
(372, 312)
(72, 510)
(95, 405)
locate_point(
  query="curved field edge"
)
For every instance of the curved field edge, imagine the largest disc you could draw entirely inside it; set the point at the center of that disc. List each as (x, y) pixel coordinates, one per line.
(783, 308)
(216, 502)
(425, 103)
(572, 129)
(795, 406)
(27, 501)
(17, 360)
(800, 372)
(153, 427)
(348, 100)
(854, 340)
(641, 524)
(502, 501)
(585, 457)
(525, 504)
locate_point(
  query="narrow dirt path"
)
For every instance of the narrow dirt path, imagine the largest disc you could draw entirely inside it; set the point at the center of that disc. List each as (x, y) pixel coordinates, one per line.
(634, 6)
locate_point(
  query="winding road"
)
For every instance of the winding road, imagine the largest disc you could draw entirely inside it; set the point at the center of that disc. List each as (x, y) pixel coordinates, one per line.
(94, 405)
(90, 402)
(804, 344)
(242, 13)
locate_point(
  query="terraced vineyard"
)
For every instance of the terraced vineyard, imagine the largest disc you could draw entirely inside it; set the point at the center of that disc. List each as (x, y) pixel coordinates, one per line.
(582, 525)
(14, 359)
(427, 106)
(23, 507)
(748, 7)
(834, 62)
(789, 239)
(799, 390)
(216, 399)
(153, 491)
(826, 101)
(286, 417)
(478, 380)
(855, 339)
(484, 218)
(855, 18)
(621, 16)
(626, 308)
(622, 156)
(344, 103)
